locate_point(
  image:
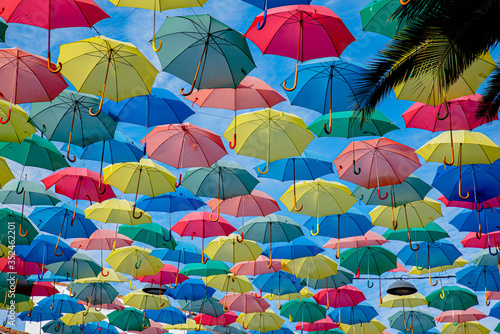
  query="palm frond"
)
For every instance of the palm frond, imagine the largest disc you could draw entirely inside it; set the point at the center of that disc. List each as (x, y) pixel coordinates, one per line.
(488, 110)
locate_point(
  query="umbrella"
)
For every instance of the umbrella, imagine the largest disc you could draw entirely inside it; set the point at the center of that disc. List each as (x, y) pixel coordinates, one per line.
(102, 239)
(228, 282)
(145, 177)
(411, 300)
(18, 128)
(85, 63)
(322, 325)
(361, 313)
(306, 24)
(169, 315)
(88, 292)
(38, 315)
(460, 316)
(13, 218)
(43, 250)
(143, 300)
(341, 278)
(191, 289)
(152, 234)
(287, 133)
(460, 262)
(330, 226)
(376, 16)
(257, 267)
(56, 327)
(185, 252)
(184, 145)
(181, 200)
(472, 327)
(101, 327)
(317, 267)
(304, 309)
(29, 72)
(129, 319)
(262, 321)
(14, 264)
(369, 239)
(244, 302)
(278, 283)
(78, 266)
(168, 274)
(343, 296)
(210, 306)
(430, 232)
(205, 269)
(419, 321)
(452, 298)
(297, 248)
(229, 178)
(208, 320)
(144, 264)
(480, 278)
(82, 317)
(372, 327)
(219, 53)
(116, 211)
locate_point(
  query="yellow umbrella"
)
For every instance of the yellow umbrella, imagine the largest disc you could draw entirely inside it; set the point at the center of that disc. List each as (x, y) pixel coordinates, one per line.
(142, 300)
(228, 282)
(18, 128)
(144, 177)
(426, 89)
(471, 327)
(88, 63)
(111, 276)
(116, 211)
(5, 172)
(372, 327)
(317, 267)
(460, 262)
(4, 251)
(134, 261)
(190, 325)
(261, 321)
(159, 5)
(413, 300)
(269, 135)
(82, 317)
(303, 294)
(26, 305)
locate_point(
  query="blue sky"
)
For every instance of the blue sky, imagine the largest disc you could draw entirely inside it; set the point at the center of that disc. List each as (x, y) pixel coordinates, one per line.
(135, 26)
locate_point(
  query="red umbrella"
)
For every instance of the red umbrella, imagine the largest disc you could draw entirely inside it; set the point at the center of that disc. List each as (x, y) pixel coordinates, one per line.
(257, 267)
(494, 203)
(26, 79)
(487, 240)
(301, 32)
(369, 239)
(257, 203)
(250, 93)
(198, 224)
(43, 289)
(52, 14)
(459, 316)
(244, 302)
(184, 145)
(116, 305)
(223, 320)
(344, 296)
(79, 183)
(320, 325)
(379, 162)
(102, 239)
(399, 269)
(493, 295)
(16, 265)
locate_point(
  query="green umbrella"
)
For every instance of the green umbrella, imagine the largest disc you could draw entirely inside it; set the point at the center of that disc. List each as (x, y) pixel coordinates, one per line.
(452, 298)
(222, 180)
(343, 277)
(410, 190)
(209, 268)
(371, 260)
(26, 193)
(79, 266)
(484, 258)
(376, 17)
(59, 327)
(95, 292)
(152, 234)
(129, 319)
(345, 125)
(497, 328)
(16, 297)
(271, 228)
(303, 310)
(210, 306)
(9, 216)
(3, 29)
(66, 119)
(430, 232)
(204, 51)
(419, 321)
(34, 151)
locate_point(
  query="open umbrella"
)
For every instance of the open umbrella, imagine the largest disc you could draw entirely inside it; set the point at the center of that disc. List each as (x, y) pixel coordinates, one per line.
(129, 319)
(262, 321)
(452, 298)
(418, 321)
(18, 128)
(480, 278)
(376, 16)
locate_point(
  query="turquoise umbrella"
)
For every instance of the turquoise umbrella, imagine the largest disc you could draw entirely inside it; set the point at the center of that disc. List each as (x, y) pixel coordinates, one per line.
(303, 310)
(79, 266)
(7, 217)
(343, 277)
(430, 232)
(152, 234)
(376, 17)
(129, 319)
(412, 320)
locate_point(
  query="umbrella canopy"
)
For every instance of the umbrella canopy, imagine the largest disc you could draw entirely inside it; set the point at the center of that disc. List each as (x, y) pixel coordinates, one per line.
(116, 211)
(372, 327)
(43, 250)
(430, 232)
(78, 266)
(420, 321)
(257, 267)
(151, 234)
(341, 278)
(102, 239)
(9, 217)
(361, 313)
(455, 298)
(205, 269)
(376, 17)
(344, 296)
(297, 248)
(191, 289)
(472, 327)
(129, 319)
(257, 203)
(169, 315)
(18, 128)
(261, 321)
(333, 226)
(371, 260)
(142, 300)
(412, 300)
(459, 316)
(231, 250)
(244, 302)
(317, 267)
(134, 261)
(238, 284)
(305, 310)
(181, 200)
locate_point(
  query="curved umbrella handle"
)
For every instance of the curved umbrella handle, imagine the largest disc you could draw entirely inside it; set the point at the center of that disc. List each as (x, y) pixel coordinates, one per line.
(144, 321)
(8, 117)
(304, 291)
(404, 3)
(295, 204)
(103, 87)
(137, 265)
(203, 259)
(99, 187)
(197, 70)
(178, 182)
(337, 254)
(297, 63)
(134, 211)
(97, 327)
(217, 215)
(267, 168)
(258, 296)
(404, 318)
(154, 44)
(259, 25)
(418, 267)
(358, 274)
(452, 158)
(368, 283)
(317, 230)
(58, 326)
(169, 237)
(491, 253)
(460, 191)
(455, 323)
(430, 279)
(55, 249)
(49, 65)
(442, 294)
(130, 285)
(232, 144)
(103, 274)
(380, 197)
(411, 246)
(19, 192)
(488, 302)
(173, 286)
(329, 129)
(25, 234)
(98, 308)
(445, 115)
(160, 301)
(357, 172)
(238, 238)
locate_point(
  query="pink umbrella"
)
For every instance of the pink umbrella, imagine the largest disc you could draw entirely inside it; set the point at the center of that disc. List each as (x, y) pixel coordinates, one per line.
(223, 320)
(494, 203)
(369, 239)
(26, 79)
(257, 203)
(103, 240)
(250, 93)
(320, 325)
(244, 302)
(487, 240)
(493, 295)
(43, 289)
(257, 267)
(155, 328)
(168, 274)
(343, 296)
(116, 305)
(458, 316)
(79, 183)
(303, 32)
(399, 269)
(184, 145)
(16, 265)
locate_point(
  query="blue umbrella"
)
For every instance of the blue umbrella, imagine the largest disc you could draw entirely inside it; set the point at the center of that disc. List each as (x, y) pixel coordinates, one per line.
(278, 283)
(297, 248)
(168, 315)
(37, 314)
(191, 289)
(480, 278)
(468, 221)
(354, 224)
(184, 252)
(61, 302)
(43, 250)
(282, 330)
(495, 311)
(49, 277)
(234, 328)
(119, 149)
(325, 85)
(363, 312)
(101, 327)
(161, 107)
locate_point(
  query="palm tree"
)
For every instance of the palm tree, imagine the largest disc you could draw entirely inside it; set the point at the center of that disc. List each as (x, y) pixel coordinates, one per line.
(441, 38)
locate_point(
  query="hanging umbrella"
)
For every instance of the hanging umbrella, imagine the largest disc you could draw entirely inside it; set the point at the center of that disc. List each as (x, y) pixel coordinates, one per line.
(14, 264)
(94, 292)
(129, 319)
(134, 261)
(418, 321)
(228, 282)
(205, 269)
(184, 145)
(480, 278)
(170, 315)
(116, 211)
(376, 16)
(244, 302)
(278, 283)
(317, 267)
(305, 310)
(43, 250)
(143, 300)
(101, 327)
(23, 69)
(191, 289)
(487, 240)
(210, 306)
(341, 278)
(322, 325)
(9, 217)
(452, 298)
(262, 321)
(257, 267)
(361, 313)
(168, 274)
(372, 327)
(82, 317)
(311, 25)
(369, 239)
(152, 234)
(430, 232)
(460, 262)
(287, 133)
(343, 296)
(62, 328)
(222, 51)
(78, 266)
(184, 252)
(37, 315)
(412, 300)
(297, 248)
(181, 200)
(208, 320)
(472, 327)
(102, 239)
(330, 226)
(18, 128)
(144, 177)
(86, 61)
(222, 180)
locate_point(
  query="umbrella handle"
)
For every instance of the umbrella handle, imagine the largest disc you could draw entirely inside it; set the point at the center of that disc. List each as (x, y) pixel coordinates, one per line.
(197, 70)
(169, 237)
(58, 325)
(103, 88)
(404, 3)
(144, 321)
(430, 279)
(491, 253)
(380, 197)
(49, 65)
(418, 267)
(55, 249)
(404, 318)
(452, 158)
(304, 291)
(295, 205)
(368, 283)
(102, 272)
(357, 172)
(442, 294)
(297, 64)
(101, 184)
(267, 168)
(317, 230)
(203, 259)
(455, 323)
(133, 213)
(259, 25)
(238, 238)
(130, 285)
(178, 182)
(137, 265)
(329, 129)
(358, 274)
(232, 144)
(258, 296)
(23, 235)
(97, 327)
(154, 44)
(19, 192)
(8, 117)
(445, 115)
(460, 191)
(173, 286)
(488, 302)
(337, 254)
(216, 217)
(98, 308)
